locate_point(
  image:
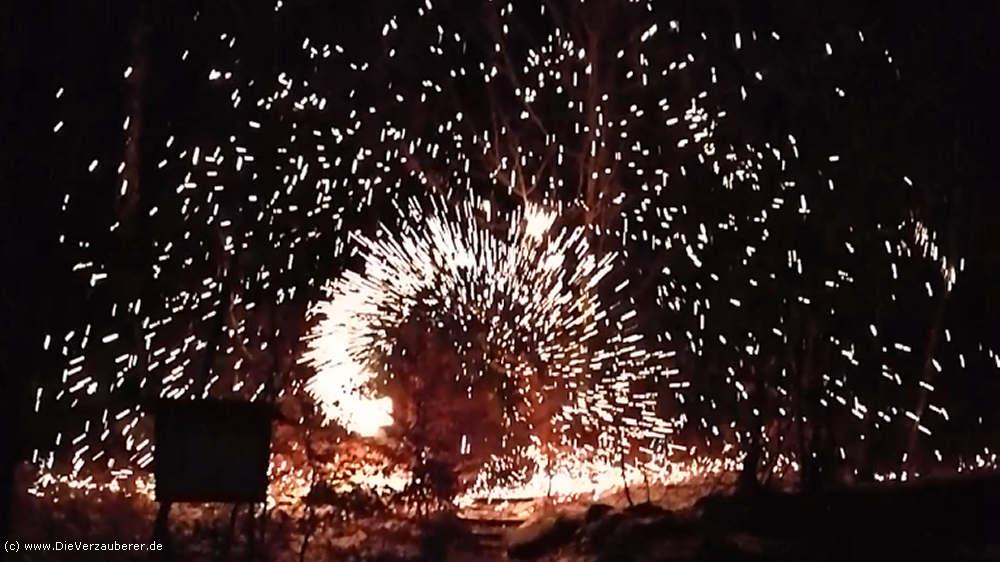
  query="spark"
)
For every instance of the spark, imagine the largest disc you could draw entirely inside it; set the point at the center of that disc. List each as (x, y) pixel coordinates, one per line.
(637, 228)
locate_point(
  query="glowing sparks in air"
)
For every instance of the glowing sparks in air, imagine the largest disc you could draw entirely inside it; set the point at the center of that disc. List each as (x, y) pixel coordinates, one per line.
(521, 292)
(613, 232)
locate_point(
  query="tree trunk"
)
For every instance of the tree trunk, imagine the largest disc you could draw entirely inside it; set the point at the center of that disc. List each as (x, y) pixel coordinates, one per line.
(933, 335)
(805, 421)
(128, 196)
(748, 483)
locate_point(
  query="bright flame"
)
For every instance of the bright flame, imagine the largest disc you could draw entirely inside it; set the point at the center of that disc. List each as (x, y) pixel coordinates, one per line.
(370, 416)
(342, 394)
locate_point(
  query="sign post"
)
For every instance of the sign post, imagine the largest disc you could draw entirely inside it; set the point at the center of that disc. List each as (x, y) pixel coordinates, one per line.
(209, 451)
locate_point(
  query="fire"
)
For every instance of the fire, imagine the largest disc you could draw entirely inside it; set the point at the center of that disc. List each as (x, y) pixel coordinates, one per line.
(342, 399)
(371, 416)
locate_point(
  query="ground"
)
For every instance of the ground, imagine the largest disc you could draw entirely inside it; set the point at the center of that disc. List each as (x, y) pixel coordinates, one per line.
(953, 520)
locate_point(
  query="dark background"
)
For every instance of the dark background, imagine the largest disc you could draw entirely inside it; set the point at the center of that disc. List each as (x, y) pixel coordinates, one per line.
(948, 55)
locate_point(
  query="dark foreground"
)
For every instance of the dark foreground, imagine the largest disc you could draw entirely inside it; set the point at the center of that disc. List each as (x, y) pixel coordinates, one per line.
(943, 521)
(954, 520)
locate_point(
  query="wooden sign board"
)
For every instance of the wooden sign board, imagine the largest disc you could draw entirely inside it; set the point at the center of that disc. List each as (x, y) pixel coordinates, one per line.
(211, 451)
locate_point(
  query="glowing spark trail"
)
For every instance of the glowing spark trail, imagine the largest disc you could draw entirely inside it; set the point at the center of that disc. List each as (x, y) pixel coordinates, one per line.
(526, 299)
(683, 270)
